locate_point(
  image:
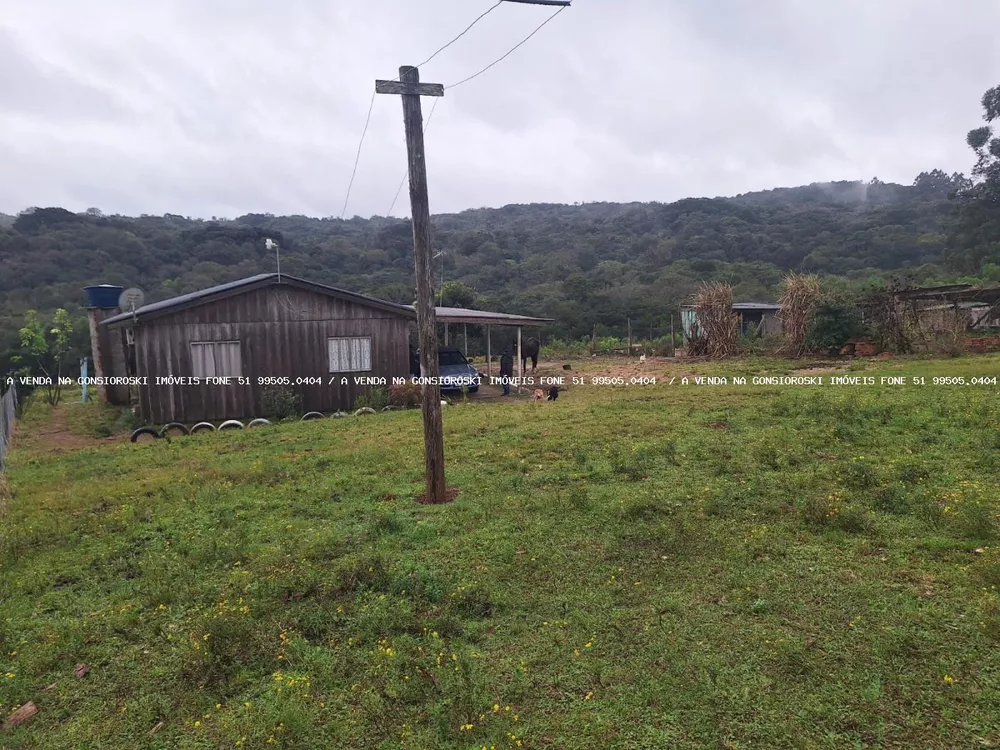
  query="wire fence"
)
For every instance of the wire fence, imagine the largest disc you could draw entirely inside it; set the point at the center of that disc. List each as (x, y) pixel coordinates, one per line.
(8, 408)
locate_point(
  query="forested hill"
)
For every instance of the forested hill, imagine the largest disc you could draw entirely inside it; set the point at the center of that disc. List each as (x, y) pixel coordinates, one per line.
(596, 263)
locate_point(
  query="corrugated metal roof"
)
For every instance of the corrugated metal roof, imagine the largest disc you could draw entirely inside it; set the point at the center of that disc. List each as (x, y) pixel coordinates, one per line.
(262, 279)
(745, 306)
(756, 306)
(462, 315)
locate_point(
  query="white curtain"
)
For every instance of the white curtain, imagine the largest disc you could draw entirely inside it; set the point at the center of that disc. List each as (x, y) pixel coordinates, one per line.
(210, 359)
(350, 354)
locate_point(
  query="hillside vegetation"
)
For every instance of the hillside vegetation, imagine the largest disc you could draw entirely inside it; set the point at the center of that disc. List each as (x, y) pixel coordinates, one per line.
(623, 568)
(584, 265)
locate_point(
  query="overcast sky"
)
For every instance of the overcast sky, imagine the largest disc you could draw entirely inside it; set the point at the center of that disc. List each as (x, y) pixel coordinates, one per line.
(223, 107)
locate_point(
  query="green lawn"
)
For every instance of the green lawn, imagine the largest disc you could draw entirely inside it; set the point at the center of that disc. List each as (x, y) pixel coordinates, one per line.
(642, 567)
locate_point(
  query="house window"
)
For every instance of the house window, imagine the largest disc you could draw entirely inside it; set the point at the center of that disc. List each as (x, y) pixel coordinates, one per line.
(216, 359)
(350, 354)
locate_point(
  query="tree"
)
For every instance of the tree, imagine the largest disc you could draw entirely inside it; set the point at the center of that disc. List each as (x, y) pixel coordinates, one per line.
(457, 294)
(834, 321)
(48, 348)
(977, 231)
(987, 146)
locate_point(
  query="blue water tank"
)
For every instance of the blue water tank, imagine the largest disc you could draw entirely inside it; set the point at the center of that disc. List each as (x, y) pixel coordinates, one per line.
(103, 295)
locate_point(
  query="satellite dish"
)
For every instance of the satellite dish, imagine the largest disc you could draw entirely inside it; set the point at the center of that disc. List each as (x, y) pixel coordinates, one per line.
(131, 299)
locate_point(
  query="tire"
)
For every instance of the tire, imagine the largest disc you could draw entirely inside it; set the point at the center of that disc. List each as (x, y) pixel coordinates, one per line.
(311, 415)
(259, 422)
(203, 427)
(144, 431)
(174, 426)
(231, 424)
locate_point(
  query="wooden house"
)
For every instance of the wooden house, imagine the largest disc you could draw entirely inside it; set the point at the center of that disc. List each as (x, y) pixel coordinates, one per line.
(266, 331)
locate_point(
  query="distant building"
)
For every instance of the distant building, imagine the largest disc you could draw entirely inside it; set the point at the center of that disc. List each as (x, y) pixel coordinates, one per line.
(755, 318)
(976, 307)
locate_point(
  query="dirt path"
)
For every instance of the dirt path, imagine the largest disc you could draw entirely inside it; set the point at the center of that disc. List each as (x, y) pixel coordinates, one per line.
(53, 435)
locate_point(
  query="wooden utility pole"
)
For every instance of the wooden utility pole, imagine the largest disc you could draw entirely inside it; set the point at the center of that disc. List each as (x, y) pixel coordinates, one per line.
(630, 337)
(410, 88)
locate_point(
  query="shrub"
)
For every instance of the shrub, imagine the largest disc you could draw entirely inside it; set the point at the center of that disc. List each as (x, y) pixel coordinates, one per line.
(833, 323)
(405, 395)
(661, 347)
(280, 403)
(377, 399)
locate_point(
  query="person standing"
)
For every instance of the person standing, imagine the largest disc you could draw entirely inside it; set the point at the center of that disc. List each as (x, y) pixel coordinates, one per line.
(506, 369)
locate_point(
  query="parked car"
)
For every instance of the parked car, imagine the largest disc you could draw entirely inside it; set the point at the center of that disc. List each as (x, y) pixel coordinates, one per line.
(456, 372)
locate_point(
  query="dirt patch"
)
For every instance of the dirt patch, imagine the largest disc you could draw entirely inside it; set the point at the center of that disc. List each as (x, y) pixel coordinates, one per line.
(55, 436)
(449, 495)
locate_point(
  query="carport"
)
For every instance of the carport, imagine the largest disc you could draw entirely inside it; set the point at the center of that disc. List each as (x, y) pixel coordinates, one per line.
(449, 315)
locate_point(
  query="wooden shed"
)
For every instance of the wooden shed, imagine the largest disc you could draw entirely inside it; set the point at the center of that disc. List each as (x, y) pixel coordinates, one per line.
(266, 331)
(763, 318)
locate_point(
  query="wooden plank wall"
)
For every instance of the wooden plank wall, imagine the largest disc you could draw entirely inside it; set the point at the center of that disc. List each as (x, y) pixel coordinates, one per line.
(283, 332)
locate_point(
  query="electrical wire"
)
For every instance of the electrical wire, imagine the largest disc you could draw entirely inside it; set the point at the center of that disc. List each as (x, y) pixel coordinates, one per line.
(466, 80)
(371, 105)
(500, 59)
(427, 125)
(468, 28)
(357, 158)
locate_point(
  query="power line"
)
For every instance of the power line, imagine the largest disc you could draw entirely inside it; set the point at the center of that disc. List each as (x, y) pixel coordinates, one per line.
(403, 181)
(357, 158)
(372, 105)
(537, 29)
(465, 80)
(480, 18)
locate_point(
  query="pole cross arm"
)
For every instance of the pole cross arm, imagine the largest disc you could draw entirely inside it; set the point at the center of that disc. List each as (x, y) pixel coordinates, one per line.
(408, 88)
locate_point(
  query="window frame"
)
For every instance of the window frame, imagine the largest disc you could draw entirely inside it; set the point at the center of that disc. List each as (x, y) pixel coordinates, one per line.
(215, 360)
(361, 368)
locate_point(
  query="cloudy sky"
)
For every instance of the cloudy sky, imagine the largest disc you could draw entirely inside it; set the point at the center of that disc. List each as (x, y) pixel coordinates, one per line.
(222, 107)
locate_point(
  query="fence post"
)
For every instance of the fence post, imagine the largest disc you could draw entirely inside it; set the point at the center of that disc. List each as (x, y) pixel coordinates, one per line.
(83, 376)
(8, 408)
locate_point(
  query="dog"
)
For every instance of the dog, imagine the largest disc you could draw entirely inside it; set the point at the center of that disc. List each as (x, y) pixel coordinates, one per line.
(642, 357)
(553, 393)
(538, 395)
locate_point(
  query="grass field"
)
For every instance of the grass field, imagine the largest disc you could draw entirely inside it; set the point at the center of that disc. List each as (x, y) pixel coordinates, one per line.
(641, 567)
